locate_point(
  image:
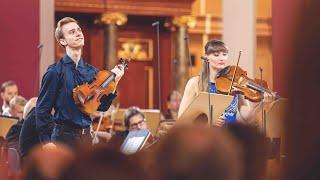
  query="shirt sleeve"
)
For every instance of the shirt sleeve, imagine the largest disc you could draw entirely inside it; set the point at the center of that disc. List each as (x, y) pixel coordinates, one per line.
(45, 103)
(106, 101)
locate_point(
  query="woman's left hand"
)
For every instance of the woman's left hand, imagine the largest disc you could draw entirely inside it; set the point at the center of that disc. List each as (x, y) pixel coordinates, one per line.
(269, 97)
(118, 70)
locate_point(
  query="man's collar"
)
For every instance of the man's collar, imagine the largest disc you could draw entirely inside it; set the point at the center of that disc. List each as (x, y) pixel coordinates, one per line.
(66, 59)
(4, 108)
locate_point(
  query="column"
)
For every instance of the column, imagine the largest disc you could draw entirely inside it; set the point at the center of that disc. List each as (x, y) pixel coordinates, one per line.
(111, 21)
(239, 33)
(182, 66)
(47, 40)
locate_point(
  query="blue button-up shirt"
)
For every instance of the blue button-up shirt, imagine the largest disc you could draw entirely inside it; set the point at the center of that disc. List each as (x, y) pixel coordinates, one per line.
(56, 93)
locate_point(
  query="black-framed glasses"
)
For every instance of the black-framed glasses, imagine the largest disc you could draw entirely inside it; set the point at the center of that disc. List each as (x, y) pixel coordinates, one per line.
(135, 125)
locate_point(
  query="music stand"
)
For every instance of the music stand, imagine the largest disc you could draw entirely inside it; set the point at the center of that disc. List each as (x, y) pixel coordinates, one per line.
(275, 116)
(135, 141)
(275, 122)
(5, 124)
(200, 105)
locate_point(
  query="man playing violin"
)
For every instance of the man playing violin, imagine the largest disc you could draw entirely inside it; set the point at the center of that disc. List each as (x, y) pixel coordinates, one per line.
(240, 109)
(71, 124)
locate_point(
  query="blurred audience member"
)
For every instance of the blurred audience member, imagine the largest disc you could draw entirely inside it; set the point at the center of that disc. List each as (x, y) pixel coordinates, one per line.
(9, 89)
(302, 143)
(47, 163)
(195, 152)
(256, 150)
(16, 105)
(102, 163)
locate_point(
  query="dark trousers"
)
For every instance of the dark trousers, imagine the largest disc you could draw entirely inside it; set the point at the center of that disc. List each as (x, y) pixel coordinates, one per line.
(71, 136)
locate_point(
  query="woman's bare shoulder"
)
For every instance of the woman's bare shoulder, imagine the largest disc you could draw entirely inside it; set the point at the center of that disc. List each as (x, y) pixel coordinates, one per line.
(194, 80)
(192, 85)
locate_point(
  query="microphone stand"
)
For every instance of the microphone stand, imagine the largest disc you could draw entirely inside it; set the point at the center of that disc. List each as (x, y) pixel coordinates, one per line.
(39, 47)
(263, 112)
(210, 107)
(157, 24)
(186, 38)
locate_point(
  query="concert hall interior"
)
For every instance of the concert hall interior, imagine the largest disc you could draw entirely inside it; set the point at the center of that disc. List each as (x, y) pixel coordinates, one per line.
(159, 89)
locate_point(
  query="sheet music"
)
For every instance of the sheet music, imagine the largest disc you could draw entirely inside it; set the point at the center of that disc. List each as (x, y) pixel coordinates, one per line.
(132, 145)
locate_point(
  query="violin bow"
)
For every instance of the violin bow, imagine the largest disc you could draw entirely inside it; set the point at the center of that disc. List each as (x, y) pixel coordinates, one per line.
(234, 72)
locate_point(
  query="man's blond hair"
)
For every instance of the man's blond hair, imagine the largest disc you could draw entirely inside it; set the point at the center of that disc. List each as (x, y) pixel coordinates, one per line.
(18, 100)
(28, 107)
(63, 21)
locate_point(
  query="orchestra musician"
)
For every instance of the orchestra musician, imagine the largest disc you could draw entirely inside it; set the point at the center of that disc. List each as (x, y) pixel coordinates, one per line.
(240, 108)
(133, 120)
(173, 103)
(71, 124)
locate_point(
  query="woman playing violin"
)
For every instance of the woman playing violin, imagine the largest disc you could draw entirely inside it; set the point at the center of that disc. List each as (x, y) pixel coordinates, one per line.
(240, 109)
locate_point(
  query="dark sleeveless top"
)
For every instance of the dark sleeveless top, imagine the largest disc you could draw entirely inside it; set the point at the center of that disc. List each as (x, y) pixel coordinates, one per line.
(231, 111)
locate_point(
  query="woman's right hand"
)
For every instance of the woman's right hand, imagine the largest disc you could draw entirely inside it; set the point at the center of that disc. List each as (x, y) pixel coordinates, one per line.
(220, 121)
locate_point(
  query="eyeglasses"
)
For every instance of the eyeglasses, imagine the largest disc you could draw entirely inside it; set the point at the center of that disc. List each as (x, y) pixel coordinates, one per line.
(135, 125)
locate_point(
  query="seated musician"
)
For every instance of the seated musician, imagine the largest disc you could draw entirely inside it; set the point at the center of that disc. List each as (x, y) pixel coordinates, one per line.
(134, 119)
(169, 118)
(72, 125)
(240, 109)
(8, 90)
(16, 107)
(173, 104)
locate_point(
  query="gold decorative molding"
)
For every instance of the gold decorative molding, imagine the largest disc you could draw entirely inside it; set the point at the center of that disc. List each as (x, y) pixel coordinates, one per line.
(114, 18)
(263, 26)
(128, 7)
(135, 49)
(188, 21)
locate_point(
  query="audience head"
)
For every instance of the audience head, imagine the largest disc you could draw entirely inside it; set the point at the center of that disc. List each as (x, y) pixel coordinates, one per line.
(134, 119)
(302, 137)
(256, 149)
(197, 152)
(9, 89)
(16, 106)
(173, 101)
(29, 105)
(102, 163)
(47, 163)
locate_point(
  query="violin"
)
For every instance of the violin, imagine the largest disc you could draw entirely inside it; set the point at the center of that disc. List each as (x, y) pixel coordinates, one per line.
(87, 96)
(108, 125)
(252, 89)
